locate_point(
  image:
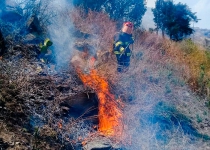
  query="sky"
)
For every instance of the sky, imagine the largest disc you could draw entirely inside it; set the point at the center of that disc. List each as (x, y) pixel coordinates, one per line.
(202, 7)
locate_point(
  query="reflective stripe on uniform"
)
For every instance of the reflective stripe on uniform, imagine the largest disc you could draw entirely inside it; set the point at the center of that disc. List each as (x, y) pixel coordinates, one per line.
(118, 43)
(122, 49)
(46, 41)
(126, 43)
(117, 52)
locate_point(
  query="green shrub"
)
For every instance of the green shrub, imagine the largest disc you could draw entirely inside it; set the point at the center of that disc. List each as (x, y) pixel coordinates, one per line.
(188, 46)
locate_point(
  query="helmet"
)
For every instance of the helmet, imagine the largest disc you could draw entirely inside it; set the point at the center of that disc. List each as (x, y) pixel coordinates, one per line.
(127, 27)
(47, 42)
(128, 23)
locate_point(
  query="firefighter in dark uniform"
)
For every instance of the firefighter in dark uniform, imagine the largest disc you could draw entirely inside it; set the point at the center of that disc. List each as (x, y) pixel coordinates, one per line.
(122, 41)
(44, 56)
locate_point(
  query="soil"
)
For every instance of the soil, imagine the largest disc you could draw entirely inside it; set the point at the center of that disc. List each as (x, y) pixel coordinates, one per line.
(33, 100)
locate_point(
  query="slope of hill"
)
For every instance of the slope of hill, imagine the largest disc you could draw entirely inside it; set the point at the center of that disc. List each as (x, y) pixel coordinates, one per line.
(200, 35)
(161, 97)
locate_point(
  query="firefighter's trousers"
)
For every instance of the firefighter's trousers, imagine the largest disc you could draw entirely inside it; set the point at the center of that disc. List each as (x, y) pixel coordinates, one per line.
(123, 62)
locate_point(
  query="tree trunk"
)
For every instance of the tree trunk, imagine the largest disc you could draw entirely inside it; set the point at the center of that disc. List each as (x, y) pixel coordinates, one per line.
(157, 31)
(2, 44)
(163, 34)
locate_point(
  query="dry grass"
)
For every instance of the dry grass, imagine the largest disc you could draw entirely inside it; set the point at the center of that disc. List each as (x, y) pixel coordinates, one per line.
(159, 71)
(98, 25)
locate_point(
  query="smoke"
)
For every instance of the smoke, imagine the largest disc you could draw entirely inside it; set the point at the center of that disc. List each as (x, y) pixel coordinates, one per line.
(60, 32)
(162, 113)
(152, 119)
(56, 16)
(153, 123)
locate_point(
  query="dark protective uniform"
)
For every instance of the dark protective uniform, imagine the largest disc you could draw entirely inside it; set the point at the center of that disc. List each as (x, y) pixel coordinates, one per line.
(121, 49)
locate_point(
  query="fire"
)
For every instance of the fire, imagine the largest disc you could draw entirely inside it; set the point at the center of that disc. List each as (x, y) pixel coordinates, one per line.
(110, 115)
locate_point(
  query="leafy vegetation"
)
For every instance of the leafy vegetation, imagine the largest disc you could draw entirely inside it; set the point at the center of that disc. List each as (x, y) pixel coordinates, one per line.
(173, 19)
(37, 104)
(118, 10)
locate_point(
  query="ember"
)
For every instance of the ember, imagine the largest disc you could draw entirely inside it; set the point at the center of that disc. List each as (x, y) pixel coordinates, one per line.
(110, 115)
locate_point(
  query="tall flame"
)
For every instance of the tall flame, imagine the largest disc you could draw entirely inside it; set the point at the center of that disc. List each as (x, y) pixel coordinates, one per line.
(110, 115)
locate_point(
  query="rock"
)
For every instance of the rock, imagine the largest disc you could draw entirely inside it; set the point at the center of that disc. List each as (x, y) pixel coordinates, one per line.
(100, 144)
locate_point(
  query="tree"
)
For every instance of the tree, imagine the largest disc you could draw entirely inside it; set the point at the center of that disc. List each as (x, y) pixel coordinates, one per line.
(167, 14)
(136, 12)
(173, 19)
(126, 10)
(158, 15)
(118, 10)
(2, 44)
(95, 5)
(181, 27)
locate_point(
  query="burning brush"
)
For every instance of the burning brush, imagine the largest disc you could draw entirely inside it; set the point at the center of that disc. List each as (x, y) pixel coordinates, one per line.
(85, 59)
(110, 114)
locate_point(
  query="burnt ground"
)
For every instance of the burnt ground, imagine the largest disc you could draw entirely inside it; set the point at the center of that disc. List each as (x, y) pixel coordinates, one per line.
(44, 108)
(39, 106)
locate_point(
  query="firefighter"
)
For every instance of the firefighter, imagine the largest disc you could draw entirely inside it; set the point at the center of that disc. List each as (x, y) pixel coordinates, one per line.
(122, 41)
(43, 56)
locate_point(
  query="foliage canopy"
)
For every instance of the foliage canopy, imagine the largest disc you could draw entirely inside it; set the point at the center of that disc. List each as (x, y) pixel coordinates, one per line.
(118, 10)
(173, 19)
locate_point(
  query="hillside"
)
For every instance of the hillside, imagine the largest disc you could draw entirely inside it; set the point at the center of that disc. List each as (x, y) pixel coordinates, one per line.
(200, 35)
(161, 102)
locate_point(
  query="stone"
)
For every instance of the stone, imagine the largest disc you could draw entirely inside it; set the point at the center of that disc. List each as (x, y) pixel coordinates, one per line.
(100, 143)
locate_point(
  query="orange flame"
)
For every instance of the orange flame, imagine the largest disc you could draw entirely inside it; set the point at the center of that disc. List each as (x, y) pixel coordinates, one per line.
(110, 115)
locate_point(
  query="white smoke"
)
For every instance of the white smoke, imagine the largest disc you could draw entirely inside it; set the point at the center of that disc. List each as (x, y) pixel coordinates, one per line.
(60, 32)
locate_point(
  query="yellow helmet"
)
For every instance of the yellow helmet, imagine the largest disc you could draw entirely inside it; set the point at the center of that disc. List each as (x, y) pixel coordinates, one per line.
(47, 42)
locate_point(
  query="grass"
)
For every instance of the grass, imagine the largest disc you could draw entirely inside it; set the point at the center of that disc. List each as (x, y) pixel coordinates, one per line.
(160, 70)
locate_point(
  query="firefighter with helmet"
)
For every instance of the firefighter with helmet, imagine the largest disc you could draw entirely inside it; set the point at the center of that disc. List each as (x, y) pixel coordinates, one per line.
(44, 56)
(122, 41)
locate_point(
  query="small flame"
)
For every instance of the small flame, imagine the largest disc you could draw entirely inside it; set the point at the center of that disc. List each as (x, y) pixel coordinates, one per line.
(110, 115)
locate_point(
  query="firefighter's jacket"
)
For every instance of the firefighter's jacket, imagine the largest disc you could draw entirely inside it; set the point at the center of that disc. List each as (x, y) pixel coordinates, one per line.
(47, 43)
(121, 43)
